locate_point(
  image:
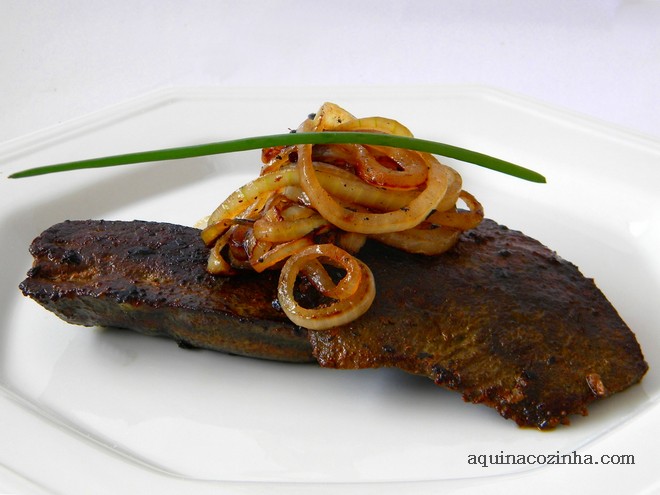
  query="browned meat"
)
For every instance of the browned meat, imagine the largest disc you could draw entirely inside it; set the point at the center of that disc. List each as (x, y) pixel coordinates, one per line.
(151, 277)
(500, 318)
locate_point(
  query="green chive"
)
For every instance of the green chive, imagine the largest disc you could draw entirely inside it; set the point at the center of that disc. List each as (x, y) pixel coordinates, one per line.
(292, 139)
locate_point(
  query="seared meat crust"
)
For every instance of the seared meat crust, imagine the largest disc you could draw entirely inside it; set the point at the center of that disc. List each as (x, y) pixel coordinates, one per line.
(151, 277)
(500, 318)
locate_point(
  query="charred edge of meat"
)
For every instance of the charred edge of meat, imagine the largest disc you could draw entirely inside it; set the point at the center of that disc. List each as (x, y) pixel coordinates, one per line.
(151, 278)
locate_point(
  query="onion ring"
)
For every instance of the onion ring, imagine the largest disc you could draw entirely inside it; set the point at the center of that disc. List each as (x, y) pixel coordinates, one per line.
(338, 313)
(429, 241)
(374, 124)
(279, 253)
(411, 172)
(371, 223)
(460, 219)
(287, 230)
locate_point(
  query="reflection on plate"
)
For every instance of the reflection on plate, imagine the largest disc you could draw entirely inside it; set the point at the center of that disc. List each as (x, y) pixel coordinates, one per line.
(139, 412)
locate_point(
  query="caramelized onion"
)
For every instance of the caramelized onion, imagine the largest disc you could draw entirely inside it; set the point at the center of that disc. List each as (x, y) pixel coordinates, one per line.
(371, 124)
(339, 311)
(217, 264)
(428, 240)
(411, 171)
(279, 253)
(242, 198)
(348, 188)
(287, 230)
(366, 222)
(460, 219)
(314, 207)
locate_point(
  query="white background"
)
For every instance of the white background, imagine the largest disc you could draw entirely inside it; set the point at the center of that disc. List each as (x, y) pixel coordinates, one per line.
(63, 59)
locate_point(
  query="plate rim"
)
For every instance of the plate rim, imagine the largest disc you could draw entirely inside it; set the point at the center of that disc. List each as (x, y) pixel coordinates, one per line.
(125, 109)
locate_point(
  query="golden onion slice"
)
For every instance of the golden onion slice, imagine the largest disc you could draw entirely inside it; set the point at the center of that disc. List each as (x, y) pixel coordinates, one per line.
(460, 219)
(329, 116)
(404, 218)
(339, 311)
(316, 273)
(374, 124)
(287, 230)
(241, 199)
(279, 252)
(217, 264)
(428, 239)
(409, 170)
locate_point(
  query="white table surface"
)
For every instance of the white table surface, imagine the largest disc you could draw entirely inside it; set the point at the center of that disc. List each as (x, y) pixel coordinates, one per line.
(67, 58)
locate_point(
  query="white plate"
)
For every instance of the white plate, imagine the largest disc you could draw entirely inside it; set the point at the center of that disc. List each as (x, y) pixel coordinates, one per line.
(89, 410)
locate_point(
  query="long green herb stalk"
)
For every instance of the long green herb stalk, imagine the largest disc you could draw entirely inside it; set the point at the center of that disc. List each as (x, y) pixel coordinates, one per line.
(258, 142)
